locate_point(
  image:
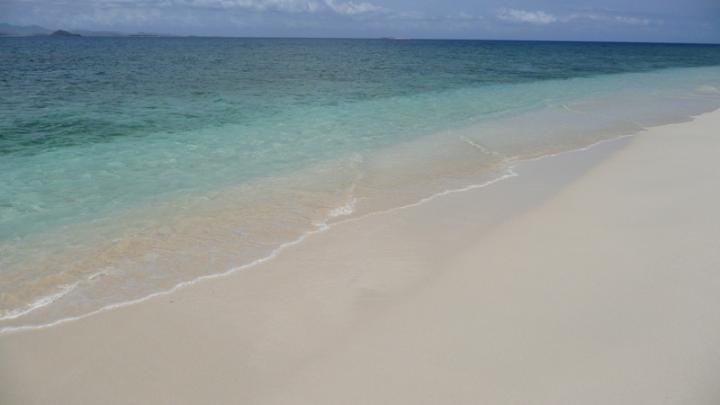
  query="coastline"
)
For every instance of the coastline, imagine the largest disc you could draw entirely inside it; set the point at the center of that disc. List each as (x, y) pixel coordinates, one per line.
(336, 216)
(129, 253)
(378, 308)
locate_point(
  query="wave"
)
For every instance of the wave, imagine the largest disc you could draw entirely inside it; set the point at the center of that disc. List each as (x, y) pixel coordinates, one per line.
(39, 303)
(319, 227)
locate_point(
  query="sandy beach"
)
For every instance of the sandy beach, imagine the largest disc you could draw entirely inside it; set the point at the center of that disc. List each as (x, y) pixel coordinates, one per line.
(591, 277)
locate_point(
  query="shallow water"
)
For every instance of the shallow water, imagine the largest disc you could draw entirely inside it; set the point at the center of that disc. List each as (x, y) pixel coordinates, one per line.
(128, 166)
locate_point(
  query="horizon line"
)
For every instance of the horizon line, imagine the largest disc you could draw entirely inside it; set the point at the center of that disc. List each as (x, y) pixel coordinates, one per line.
(378, 38)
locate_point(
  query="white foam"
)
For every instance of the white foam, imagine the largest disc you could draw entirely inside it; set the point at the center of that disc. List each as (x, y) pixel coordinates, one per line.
(344, 210)
(41, 302)
(480, 146)
(319, 228)
(509, 173)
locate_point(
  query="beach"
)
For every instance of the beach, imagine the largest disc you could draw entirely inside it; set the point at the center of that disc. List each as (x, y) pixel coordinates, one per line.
(585, 277)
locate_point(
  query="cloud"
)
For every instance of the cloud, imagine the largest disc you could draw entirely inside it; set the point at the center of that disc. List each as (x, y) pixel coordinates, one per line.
(348, 8)
(613, 18)
(289, 6)
(543, 18)
(635, 21)
(352, 8)
(523, 16)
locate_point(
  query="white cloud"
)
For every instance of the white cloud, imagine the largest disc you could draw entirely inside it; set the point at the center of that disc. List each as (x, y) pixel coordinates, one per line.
(523, 16)
(289, 6)
(542, 18)
(613, 18)
(633, 20)
(351, 7)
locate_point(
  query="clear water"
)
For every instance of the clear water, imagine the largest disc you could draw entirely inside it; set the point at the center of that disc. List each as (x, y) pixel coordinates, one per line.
(129, 165)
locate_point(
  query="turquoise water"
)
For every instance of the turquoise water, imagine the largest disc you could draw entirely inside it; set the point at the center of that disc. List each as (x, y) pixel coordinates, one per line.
(129, 165)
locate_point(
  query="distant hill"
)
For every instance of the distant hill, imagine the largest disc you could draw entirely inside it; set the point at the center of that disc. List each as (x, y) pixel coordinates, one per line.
(61, 33)
(36, 30)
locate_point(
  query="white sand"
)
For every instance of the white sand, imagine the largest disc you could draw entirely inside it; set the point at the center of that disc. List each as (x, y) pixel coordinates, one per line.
(591, 278)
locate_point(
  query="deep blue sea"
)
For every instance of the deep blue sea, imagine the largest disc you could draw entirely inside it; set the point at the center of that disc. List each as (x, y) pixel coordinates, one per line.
(131, 165)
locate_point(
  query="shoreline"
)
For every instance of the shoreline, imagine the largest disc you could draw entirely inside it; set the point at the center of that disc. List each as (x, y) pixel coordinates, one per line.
(81, 273)
(436, 296)
(332, 220)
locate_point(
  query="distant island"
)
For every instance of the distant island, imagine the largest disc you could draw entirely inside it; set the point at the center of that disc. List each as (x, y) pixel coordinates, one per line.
(9, 30)
(62, 33)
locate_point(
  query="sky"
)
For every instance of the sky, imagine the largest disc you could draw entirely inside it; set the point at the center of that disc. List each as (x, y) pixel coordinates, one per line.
(587, 20)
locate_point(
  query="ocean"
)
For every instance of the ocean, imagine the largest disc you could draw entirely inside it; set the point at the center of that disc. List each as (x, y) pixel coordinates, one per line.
(132, 166)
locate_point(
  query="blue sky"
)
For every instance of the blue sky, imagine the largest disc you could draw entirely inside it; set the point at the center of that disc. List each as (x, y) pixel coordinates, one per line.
(615, 20)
